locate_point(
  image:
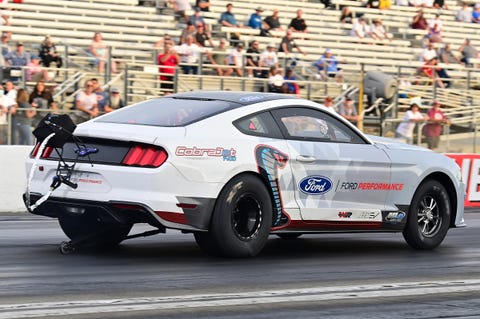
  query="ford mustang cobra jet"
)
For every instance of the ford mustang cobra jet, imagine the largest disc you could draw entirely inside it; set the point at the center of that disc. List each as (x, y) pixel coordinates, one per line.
(233, 168)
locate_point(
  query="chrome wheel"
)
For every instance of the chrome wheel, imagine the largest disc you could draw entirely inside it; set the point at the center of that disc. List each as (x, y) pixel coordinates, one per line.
(429, 219)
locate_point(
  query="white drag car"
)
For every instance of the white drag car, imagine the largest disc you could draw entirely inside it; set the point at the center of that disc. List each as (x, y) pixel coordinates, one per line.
(233, 168)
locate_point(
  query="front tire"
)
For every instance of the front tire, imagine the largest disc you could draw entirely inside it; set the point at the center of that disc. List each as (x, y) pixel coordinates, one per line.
(429, 216)
(241, 220)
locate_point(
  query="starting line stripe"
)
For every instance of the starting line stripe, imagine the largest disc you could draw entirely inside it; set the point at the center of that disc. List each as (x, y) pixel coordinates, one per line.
(67, 308)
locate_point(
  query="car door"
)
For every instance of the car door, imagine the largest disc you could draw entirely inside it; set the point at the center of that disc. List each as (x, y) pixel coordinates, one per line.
(339, 176)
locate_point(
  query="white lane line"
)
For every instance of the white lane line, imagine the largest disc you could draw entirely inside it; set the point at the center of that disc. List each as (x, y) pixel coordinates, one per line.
(64, 308)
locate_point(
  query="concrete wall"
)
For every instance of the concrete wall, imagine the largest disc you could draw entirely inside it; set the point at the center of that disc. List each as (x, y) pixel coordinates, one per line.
(13, 177)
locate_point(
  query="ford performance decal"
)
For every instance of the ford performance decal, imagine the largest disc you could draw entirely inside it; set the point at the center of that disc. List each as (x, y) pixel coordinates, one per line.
(269, 161)
(315, 185)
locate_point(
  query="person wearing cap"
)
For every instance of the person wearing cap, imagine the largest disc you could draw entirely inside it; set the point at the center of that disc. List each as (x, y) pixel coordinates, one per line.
(268, 58)
(298, 23)
(197, 19)
(406, 128)
(327, 65)
(433, 128)
(349, 111)
(115, 101)
(256, 21)
(272, 23)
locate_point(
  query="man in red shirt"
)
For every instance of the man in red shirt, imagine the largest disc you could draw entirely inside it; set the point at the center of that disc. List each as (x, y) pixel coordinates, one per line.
(433, 129)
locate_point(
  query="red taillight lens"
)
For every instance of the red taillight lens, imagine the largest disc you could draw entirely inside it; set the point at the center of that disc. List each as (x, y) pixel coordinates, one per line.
(145, 156)
(46, 152)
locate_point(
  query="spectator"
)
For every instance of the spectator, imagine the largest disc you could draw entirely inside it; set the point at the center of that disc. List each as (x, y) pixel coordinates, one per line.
(403, 3)
(268, 58)
(374, 4)
(298, 23)
(428, 53)
(197, 19)
(464, 13)
(219, 56)
(433, 128)
(168, 62)
(180, 7)
(253, 59)
(328, 103)
(377, 31)
(6, 107)
(17, 59)
(272, 23)
(256, 21)
(204, 5)
(327, 65)
(275, 80)
(440, 4)
(35, 71)
(436, 73)
(417, 3)
(447, 56)
(160, 44)
(10, 90)
(290, 84)
(434, 34)
(23, 119)
(359, 28)
(419, 21)
(40, 98)
(102, 96)
(189, 56)
(48, 53)
(235, 59)
(404, 86)
(288, 43)
(202, 38)
(476, 13)
(190, 30)
(384, 5)
(86, 103)
(346, 15)
(468, 52)
(115, 101)
(100, 52)
(410, 119)
(349, 112)
(4, 44)
(227, 18)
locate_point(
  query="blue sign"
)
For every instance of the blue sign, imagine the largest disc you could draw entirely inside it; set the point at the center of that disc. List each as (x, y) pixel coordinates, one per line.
(315, 185)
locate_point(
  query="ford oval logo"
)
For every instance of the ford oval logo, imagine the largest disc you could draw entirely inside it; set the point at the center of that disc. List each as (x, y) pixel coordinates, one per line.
(315, 185)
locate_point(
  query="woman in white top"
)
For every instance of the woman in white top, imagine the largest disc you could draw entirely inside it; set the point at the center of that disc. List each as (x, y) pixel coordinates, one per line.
(411, 118)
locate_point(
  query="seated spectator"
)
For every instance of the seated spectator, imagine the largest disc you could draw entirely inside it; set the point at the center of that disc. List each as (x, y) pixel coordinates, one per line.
(86, 104)
(290, 85)
(377, 31)
(272, 23)
(440, 4)
(268, 59)
(359, 28)
(447, 56)
(189, 56)
(204, 5)
(235, 59)
(102, 96)
(219, 56)
(419, 21)
(298, 23)
(328, 65)
(180, 7)
(228, 19)
(202, 38)
(115, 101)
(464, 13)
(435, 34)
(100, 52)
(5, 46)
(374, 4)
(256, 21)
(197, 19)
(253, 59)
(384, 5)
(275, 80)
(48, 53)
(476, 13)
(428, 53)
(403, 3)
(349, 111)
(168, 62)
(468, 52)
(436, 73)
(18, 59)
(35, 71)
(346, 15)
(288, 43)
(328, 103)
(190, 30)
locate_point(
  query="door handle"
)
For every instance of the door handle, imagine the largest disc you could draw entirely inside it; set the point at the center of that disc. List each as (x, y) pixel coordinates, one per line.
(306, 159)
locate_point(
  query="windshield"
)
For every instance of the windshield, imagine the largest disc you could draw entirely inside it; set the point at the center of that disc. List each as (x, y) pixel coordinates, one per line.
(166, 111)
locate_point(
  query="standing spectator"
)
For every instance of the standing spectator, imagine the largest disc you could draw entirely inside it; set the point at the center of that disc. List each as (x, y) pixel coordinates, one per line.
(6, 107)
(219, 56)
(253, 59)
(464, 13)
(160, 44)
(410, 119)
(268, 58)
(23, 119)
(228, 19)
(328, 65)
(10, 90)
(298, 23)
(447, 56)
(115, 101)
(468, 52)
(40, 98)
(17, 59)
(476, 13)
(100, 52)
(346, 15)
(102, 96)
(180, 7)
(48, 53)
(288, 43)
(377, 31)
(189, 56)
(4, 44)
(419, 21)
(328, 103)
(349, 112)
(359, 28)
(272, 23)
(168, 62)
(433, 129)
(86, 103)
(204, 5)
(235, 59)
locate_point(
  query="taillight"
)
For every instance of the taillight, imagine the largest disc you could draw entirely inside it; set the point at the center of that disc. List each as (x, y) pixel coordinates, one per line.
(46, 152)
(145, 156)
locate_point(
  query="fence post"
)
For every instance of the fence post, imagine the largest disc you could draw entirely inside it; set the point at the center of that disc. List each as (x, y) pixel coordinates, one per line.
(125, 85)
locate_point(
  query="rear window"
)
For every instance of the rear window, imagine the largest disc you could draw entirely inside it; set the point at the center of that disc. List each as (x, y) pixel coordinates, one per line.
(169, 112)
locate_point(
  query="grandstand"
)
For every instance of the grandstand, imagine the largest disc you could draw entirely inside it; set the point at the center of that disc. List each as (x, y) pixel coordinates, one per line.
(131, 31)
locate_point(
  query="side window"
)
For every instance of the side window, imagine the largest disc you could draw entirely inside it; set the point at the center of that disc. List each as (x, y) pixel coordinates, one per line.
(301, 123)
(261, 124)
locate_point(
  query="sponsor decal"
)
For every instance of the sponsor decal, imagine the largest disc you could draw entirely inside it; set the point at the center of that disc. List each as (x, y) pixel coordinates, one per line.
(229, 155)
(90, 181)
(315, 185)
(368, 215)
(344, 214)
(364, 186)
(395, 217)
(470, 170)
(251, 98)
